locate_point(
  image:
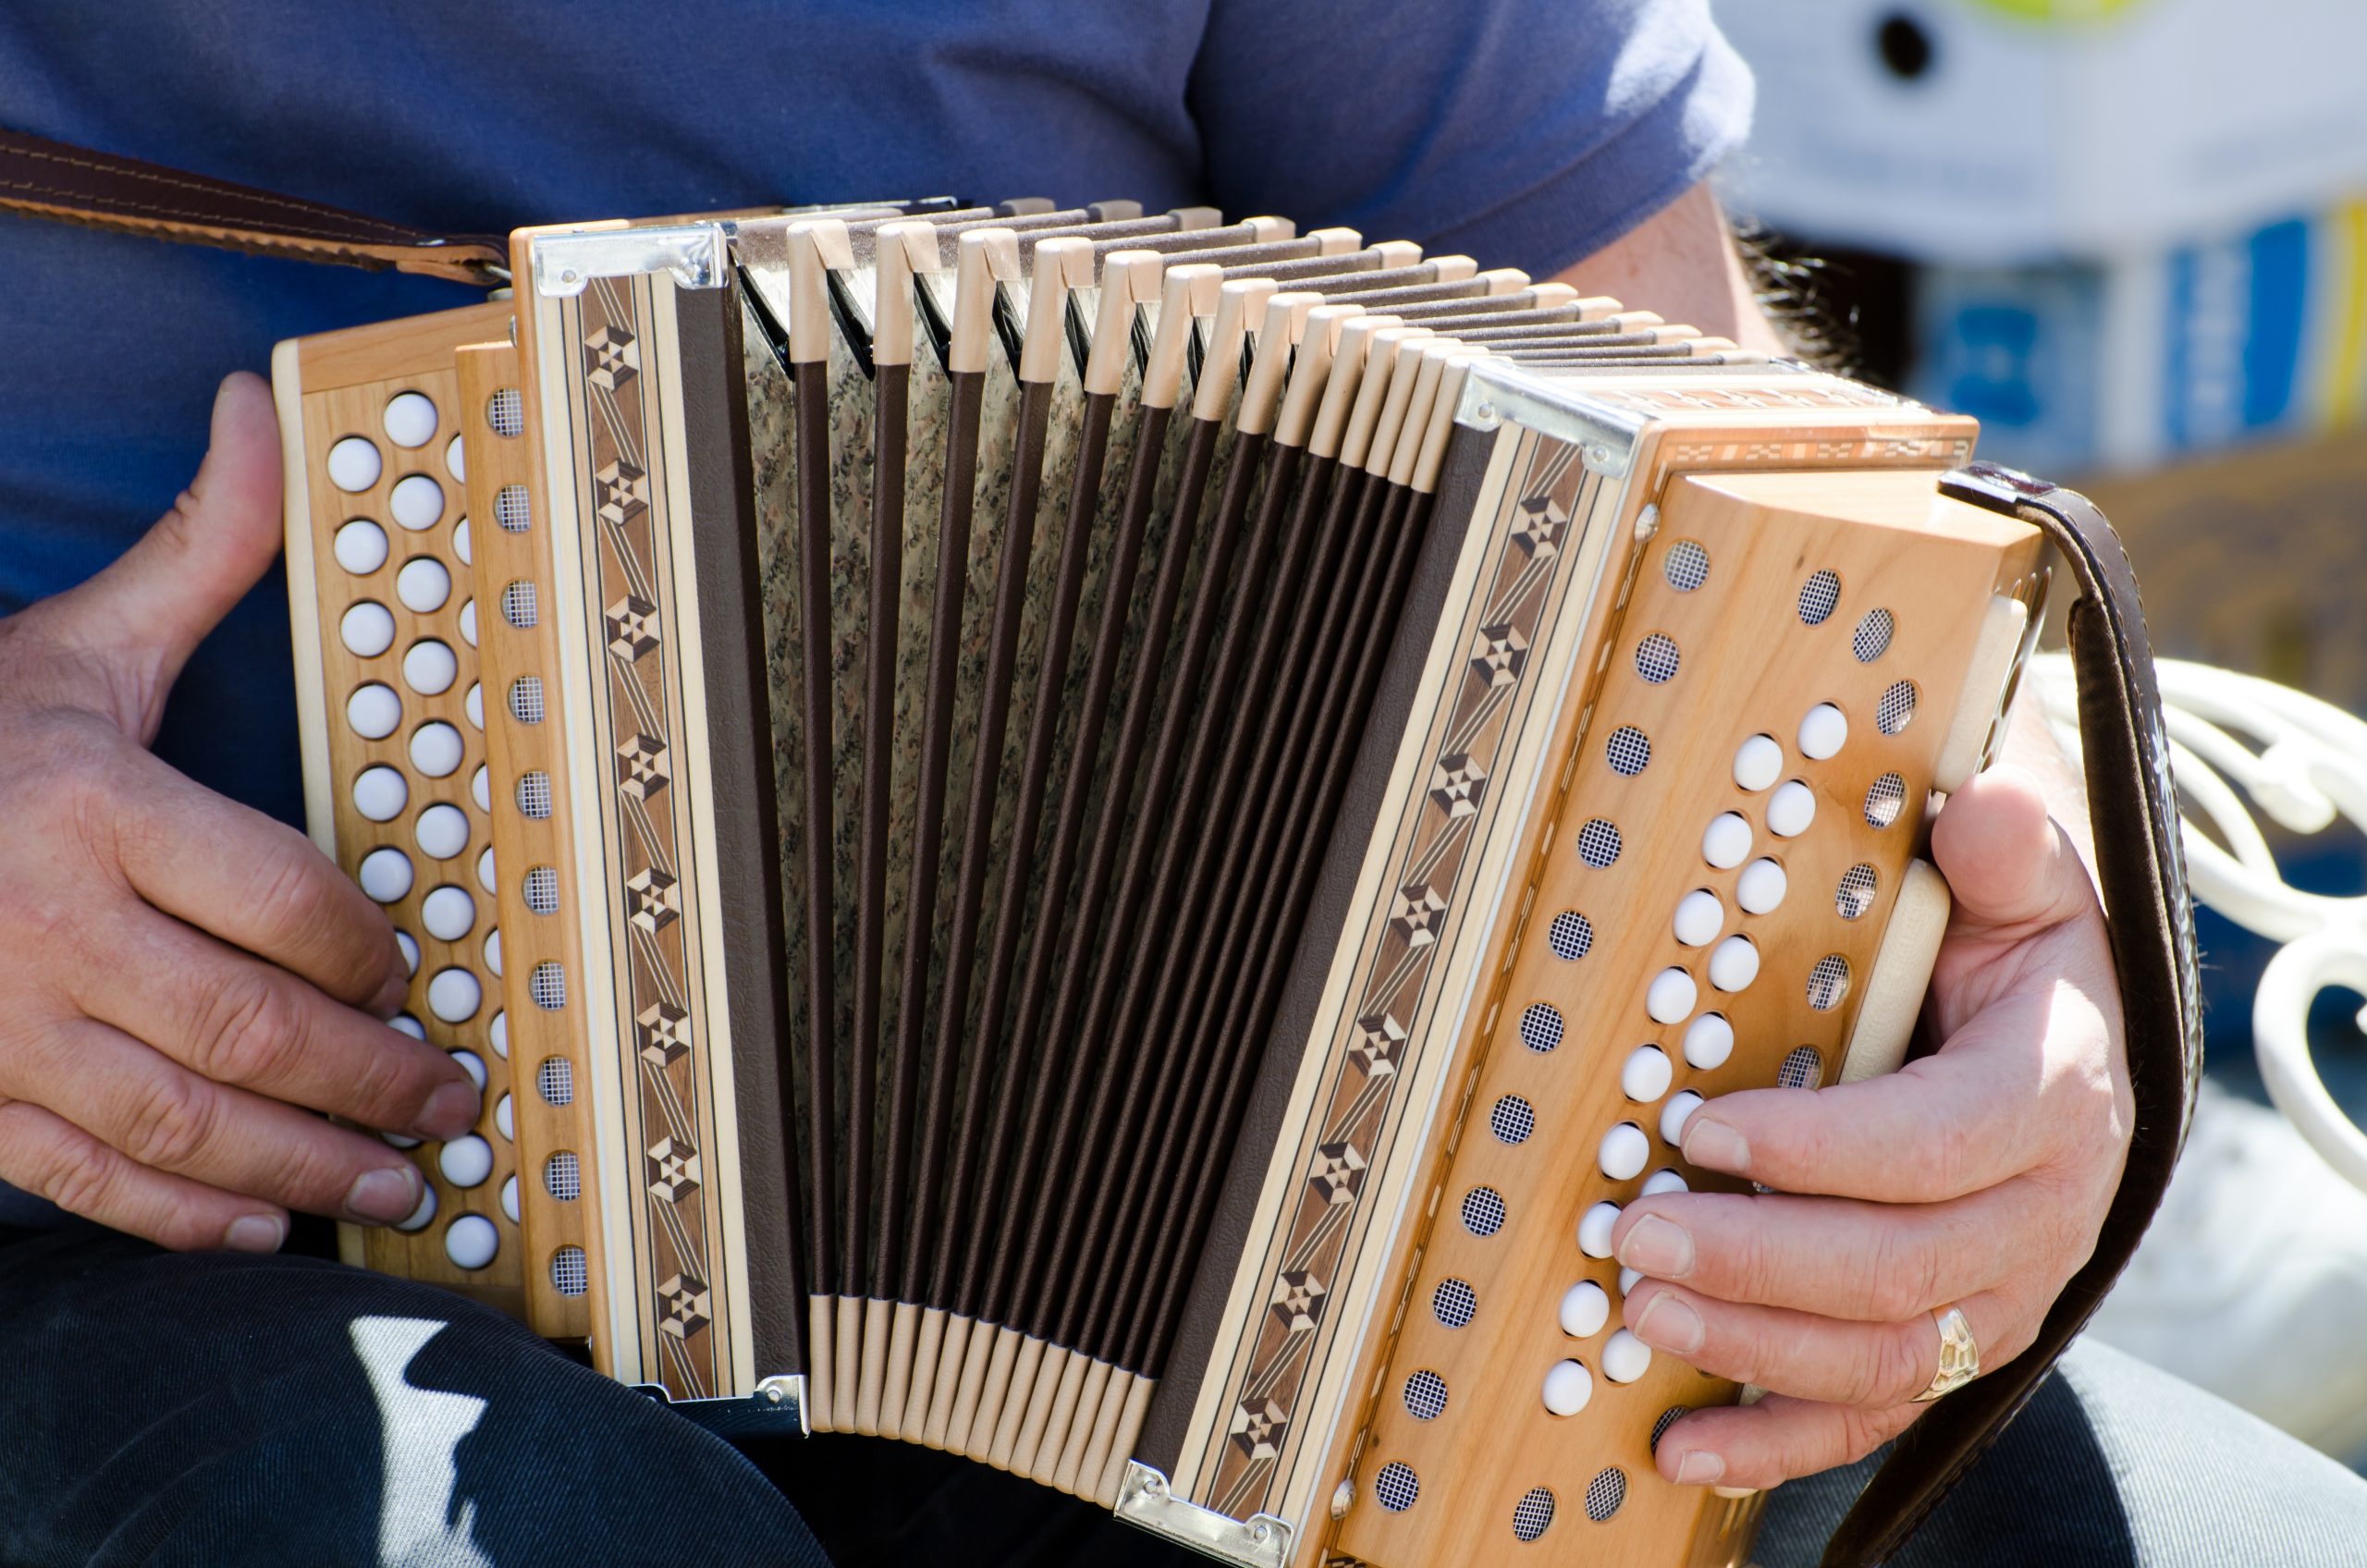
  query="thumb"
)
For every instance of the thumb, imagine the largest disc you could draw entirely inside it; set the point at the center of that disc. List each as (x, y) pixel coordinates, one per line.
(145, 614)
(2010, 869)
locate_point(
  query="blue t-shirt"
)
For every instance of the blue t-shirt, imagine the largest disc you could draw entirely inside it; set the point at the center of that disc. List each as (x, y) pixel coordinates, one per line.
(1526, 132)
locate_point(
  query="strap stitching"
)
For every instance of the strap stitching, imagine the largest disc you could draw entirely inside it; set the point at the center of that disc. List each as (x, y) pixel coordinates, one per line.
(134, 170)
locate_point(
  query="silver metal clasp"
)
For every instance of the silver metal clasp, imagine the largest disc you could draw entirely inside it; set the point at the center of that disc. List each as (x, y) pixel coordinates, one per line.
(777, 1407)
(1145, 1500)
(694, 253)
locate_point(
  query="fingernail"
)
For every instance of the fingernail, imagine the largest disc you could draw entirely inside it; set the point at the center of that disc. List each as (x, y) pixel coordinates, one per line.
(256, 1232)
(1660, 1247)
(1669, 1324)
(386, 1195)
(1700, 1468)
(452, 1111)
(1716, 1147)
(390, 997)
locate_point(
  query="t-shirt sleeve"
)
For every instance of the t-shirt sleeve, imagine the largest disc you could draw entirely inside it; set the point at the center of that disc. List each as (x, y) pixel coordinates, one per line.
(1526, 133)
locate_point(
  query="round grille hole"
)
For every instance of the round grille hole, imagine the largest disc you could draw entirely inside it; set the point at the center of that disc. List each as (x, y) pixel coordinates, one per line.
(1885, 800)
(1656, 659)
(505, 411)
(1667, 1418)
(1570, 936)
(556, 1080)
(1483, 1211)
(547, 985)
(1629, 750)
(1804, 1069)
(1856, 894)
(570, 1277)
(1540, 1027)
(1512, 1120)
(563, 1177)
(1828, 983)
(1605, 1493)
(542, 889)
(1396, 1486)
(1532, 1513)
(1686, 566)
(1818, 594)
(513, 510)
(1453, 1303)
(1599, 843)
(1424, 1396)
(526, 699)
(534, 795)
(1872, 635)
(518, 605)
(1896, 709)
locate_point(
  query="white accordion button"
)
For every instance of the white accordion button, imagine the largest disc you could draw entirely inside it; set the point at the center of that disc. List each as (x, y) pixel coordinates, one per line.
(471, 1064)
(1790, 810)
(1626, 1357)
(380, 793)
(424, 1213)
(1823, 731)
(474, 705)
(466, 1161)
(486, 873)
(1568, 1386)
(354, 465)
(498, 1033)
(361, 547)
(408, 946)
(1664, 1181)
(1627, 1277)
(416, 501)
(469, 623)
(404, 1023)
(410, 420)
(453, 996)
(481, 785)
(1586, 1308)
(1624, 1151)
(436, 749)
(1760, 888)
(1734, 963)
(509, 1196)
(455, 460)
(386, 875)
(1700, 918)
(461, 546)
(506, 1120)
(493, 951)
(1726, 842)
(1709, 1040)
(367, 629)
(442, 831)
(1676, 1113)
(430, 668)
(1647, 1074)
(448, 912)
(1671, 997)
(424, 584)
(1594, 1230)
(472, 1242)
(1759, 762)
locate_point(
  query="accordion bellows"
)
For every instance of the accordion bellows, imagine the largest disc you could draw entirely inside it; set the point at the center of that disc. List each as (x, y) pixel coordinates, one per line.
(1106, 842)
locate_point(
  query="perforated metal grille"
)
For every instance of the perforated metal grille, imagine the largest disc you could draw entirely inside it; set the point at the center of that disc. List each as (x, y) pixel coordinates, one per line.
(1605, 1493)
(556, 1080)
(518, 605)
(563, 1177)
(1818, 594)
(1424, 1396)
(1483, 1211)
(569, 1275)
(1828, 981)
(542, 889)
(1453, 1303)
(513, 509)
(1804, 1069)
(1532, 1513)
(526, 699)
(1512, 1120)
(1666, 1419)
(1686, 566)
(1540, 1026)
(1599, 843)
(1629, 750)
(547, 985)
(1884, 800)
(1570, 934)
(534, 794)
(505, 411)
(1656, 659)
(1396, 1486)
(1896, 709)
(1856, 894)
(1872, 635)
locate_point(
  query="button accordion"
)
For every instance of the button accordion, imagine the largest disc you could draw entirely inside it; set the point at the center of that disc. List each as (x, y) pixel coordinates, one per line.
(1107, 841)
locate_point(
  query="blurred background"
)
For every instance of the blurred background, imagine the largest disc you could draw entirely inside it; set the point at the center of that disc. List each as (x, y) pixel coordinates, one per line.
(2130, 237)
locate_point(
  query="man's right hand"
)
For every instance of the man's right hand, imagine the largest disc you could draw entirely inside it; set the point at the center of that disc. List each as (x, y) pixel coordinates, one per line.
(181, 977)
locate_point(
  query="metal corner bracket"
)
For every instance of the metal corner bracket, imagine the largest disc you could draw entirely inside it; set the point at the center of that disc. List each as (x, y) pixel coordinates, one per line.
(1494, 392)
(777, 1407)
(1145, 1501)
(695, 253)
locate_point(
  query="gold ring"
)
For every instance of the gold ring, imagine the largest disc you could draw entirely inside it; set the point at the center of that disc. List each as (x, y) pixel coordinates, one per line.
(1959, 1354)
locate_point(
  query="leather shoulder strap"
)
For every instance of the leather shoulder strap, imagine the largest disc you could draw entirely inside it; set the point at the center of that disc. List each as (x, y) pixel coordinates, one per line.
(52, 179)
(2151, 918)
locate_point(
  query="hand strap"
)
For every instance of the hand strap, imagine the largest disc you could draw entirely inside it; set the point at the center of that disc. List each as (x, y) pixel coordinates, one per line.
(2151, 917)
(52, 179)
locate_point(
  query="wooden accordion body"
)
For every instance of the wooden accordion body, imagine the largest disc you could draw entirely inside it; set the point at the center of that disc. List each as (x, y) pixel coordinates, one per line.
(1364, 741)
